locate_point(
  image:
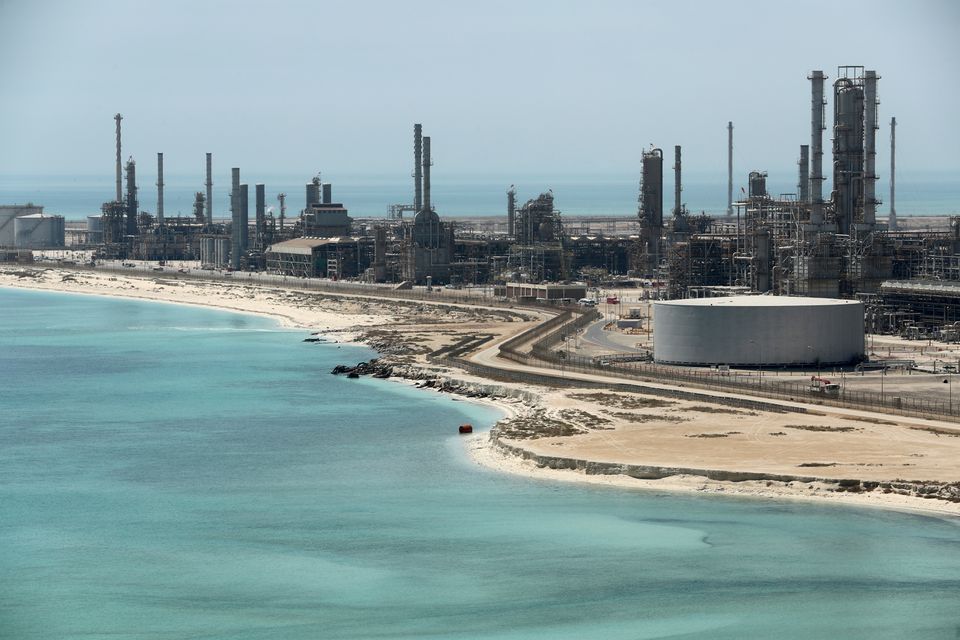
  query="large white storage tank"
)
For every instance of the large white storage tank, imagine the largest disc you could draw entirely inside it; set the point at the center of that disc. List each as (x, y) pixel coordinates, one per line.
(38, 231)
(95, 229)
(9, 213)
(751, 330)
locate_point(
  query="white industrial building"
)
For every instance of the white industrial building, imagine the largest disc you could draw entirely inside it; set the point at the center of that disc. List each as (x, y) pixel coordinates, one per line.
(752, 330)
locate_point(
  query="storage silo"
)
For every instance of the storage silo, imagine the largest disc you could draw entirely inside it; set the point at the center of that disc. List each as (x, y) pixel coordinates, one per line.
(38, 231)
(752, 330)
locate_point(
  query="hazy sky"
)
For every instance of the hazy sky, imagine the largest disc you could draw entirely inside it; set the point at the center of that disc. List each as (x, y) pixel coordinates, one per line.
(503, 88)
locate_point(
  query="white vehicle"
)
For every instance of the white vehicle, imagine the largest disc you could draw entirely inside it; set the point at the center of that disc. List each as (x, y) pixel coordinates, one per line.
(587, 302)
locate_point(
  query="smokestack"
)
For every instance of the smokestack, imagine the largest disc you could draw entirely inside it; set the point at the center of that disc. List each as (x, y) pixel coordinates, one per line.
(803, 186)
(870, 127)
(426, 173)
(511, 210)
(816, 146)
(160, 189)
(209, 189)
(729, 168)
(261, 213)
(676, 182)
(417, 168)
(892, 221)
(118, 118)
(235, 218)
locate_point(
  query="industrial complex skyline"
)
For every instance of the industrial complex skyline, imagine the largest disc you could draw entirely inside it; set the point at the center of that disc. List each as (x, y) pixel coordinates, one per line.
(529, 88)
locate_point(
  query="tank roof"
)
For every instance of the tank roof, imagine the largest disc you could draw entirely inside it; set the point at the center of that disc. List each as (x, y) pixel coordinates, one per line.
(758, 301)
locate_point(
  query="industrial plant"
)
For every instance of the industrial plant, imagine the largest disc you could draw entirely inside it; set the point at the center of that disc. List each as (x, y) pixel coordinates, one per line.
(807, 244)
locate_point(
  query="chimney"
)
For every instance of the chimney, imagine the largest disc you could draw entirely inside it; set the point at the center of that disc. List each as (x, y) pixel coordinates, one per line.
(118, 118)
(729, 168)
(426, 173)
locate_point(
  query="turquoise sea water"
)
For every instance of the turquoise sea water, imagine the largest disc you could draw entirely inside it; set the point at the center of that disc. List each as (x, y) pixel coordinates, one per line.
(76, 197)
(174, 472)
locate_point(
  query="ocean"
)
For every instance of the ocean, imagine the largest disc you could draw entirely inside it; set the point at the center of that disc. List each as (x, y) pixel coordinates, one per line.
(177, 472)
(76, 197)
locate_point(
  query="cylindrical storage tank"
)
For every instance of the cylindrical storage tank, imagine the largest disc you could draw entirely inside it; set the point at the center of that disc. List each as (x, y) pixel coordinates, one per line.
(751, 330)
(95, 229)
(39, 231)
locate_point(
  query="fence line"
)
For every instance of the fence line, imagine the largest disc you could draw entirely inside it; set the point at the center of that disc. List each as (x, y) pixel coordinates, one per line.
(542, 355)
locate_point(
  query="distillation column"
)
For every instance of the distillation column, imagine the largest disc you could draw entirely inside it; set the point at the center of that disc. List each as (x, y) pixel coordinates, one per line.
(235, 217)
(803, 185)
(261, 208)
(132, 204)
(209, 220)
(816, 146)
(244, 218)
(417, 168)
(870, 127)
(511, 210)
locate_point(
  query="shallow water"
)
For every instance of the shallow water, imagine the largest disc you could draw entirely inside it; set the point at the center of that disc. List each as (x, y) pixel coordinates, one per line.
(174, 472)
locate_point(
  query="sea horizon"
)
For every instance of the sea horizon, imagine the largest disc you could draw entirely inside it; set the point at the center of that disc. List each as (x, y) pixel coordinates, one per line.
(456, 196)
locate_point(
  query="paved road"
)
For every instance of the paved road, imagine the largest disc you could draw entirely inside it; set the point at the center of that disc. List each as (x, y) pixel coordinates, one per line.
(608, 341)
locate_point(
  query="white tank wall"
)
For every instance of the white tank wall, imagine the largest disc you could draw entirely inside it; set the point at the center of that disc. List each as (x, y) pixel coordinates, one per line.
(39, 232)
(9, 213)
(783, 331)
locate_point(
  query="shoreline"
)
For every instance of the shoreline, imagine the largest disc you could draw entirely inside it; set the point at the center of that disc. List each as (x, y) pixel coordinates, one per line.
(484, 451)
(482, 448)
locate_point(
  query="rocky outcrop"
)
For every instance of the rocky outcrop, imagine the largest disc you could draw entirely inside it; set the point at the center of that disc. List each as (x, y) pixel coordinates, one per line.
(373, 368)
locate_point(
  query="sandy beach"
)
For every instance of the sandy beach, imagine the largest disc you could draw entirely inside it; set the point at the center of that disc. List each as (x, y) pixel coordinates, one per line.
(637, 441)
